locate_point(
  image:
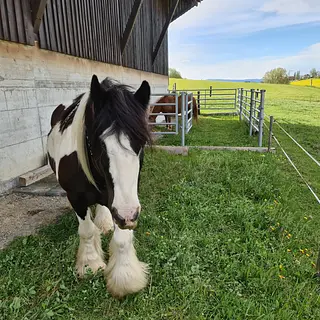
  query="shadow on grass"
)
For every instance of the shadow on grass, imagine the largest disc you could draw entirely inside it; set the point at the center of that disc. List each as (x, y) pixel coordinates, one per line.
(65, 227)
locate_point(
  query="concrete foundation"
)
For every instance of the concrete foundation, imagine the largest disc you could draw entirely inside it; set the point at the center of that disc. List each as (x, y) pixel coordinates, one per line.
(32, 83)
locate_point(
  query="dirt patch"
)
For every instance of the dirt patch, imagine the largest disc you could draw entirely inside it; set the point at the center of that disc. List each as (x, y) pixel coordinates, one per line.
(22, 215)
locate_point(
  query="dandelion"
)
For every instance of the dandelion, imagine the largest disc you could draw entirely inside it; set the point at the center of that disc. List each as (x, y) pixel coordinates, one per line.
(302, 251)
(281, 276)
(272, 228)
(281, 267)
(148, 233)
(289, 235)
(308, 255)
(288, 250)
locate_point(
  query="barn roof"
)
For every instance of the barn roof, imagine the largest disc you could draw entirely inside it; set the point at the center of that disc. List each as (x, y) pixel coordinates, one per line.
(184, 6)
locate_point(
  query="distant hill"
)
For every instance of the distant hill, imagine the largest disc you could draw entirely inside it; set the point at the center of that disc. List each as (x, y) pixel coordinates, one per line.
(236, 80)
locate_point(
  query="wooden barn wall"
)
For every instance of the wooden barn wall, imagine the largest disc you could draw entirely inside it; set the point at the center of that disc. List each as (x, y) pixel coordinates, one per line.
(15, 21)
(98, 37)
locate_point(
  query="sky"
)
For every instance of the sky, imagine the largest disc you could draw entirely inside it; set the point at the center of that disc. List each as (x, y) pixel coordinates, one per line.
(243, 39)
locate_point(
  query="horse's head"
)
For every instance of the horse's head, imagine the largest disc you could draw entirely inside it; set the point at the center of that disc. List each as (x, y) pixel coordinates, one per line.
(117, 131)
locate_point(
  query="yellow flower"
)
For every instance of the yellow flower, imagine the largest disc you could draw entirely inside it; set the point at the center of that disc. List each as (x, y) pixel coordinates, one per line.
(148, 233)
(302, 251)
(281, 276)
(281, 267)
(308, 255)
(313, 264)
(288, 250)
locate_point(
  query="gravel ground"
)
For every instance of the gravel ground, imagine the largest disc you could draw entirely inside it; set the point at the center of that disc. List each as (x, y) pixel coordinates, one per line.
(22, 214)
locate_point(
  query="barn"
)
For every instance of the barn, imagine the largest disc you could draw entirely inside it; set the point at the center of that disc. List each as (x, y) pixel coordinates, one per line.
(49, 50)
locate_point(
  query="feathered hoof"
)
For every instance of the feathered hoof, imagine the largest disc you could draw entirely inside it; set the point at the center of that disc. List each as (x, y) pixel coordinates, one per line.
(126, 279)
(84, 265)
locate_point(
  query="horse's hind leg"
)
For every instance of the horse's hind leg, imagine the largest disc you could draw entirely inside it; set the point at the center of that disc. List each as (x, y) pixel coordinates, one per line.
(125, 274)
(103, 219)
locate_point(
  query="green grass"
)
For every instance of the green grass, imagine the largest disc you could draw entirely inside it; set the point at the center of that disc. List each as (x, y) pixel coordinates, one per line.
(214, 130)
(295, 108)
(218, 230)
(228, 235)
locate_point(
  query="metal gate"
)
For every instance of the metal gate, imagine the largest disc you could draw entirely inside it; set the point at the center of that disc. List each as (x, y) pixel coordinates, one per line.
(183, 101)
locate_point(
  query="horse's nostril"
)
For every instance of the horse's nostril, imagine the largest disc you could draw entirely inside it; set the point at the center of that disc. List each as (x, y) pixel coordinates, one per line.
(135, 216)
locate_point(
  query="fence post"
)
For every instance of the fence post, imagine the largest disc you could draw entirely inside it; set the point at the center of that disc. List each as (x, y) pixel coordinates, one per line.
(198, 102)
(240, 103)
(270, 134)
(183, 100)
(261, 116)
(235, 98)
(174, 87)
(251, 111)
(177, 112)
(210, 91)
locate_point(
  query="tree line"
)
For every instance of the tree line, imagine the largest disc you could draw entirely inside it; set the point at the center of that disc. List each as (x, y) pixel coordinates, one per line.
(281, 76)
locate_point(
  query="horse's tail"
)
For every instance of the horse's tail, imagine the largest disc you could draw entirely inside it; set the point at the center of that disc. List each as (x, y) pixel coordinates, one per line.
(195, 109)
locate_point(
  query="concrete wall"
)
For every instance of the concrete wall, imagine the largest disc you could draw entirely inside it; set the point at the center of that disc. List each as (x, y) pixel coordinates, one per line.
(32, 83)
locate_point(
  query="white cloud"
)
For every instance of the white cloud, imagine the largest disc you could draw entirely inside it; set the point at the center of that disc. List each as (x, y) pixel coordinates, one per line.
(247, 68)
(245, 16)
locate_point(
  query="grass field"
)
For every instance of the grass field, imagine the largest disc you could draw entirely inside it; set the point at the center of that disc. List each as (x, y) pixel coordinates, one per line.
(228, 235)
(295, 108)
(307, 82)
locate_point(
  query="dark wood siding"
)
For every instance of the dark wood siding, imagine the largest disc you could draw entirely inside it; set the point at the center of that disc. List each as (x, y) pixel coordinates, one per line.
(92, 29)
(15, 21)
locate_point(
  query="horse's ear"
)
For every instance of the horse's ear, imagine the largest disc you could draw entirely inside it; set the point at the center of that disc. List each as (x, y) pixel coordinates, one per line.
(143, 93)
(95, 89)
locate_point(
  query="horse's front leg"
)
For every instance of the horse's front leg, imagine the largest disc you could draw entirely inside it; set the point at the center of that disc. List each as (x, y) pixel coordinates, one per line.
(125, 274)
(90, 254)
(103, 219)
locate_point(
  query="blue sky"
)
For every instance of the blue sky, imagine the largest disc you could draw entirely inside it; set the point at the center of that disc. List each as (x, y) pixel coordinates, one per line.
(238, 39)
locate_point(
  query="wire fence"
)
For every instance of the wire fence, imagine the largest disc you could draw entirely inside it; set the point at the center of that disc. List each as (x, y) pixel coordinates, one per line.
(272, 136)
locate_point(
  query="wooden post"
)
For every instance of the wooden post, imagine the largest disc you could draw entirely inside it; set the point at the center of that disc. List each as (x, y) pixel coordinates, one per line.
(198, 102)
(210, 91)
(270, 133)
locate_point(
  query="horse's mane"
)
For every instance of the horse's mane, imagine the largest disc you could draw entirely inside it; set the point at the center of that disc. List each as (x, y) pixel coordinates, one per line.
(120, 113)
(125, 113)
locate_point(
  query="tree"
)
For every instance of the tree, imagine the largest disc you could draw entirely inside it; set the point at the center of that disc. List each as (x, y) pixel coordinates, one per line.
(313, 73)
(173, 73)
(278, 76)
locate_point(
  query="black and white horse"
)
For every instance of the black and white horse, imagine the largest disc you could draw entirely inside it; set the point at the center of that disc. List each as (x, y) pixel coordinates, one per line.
(96, 148)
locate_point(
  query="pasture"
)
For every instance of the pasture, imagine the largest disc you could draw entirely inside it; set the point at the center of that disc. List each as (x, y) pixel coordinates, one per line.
(228, 235)
(295, 108)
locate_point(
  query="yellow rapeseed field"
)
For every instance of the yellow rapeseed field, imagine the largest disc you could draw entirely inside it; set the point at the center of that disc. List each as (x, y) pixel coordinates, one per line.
(307, 82)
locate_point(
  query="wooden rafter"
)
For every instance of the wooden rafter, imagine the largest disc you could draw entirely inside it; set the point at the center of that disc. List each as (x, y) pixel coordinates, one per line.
(130, 24)
(37, 7)
(164, 29)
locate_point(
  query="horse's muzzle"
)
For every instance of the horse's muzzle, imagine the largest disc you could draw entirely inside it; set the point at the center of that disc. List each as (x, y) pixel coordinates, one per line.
(129, 222)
